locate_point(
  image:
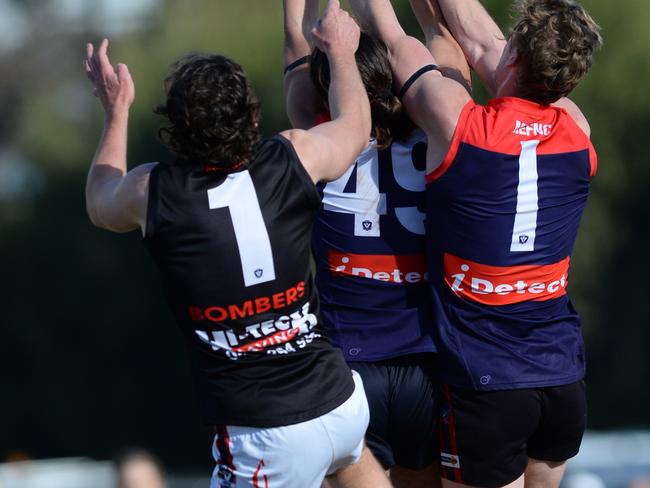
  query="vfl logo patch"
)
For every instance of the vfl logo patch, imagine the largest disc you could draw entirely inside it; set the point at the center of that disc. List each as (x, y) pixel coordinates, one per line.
(260, 272)
(367, 225)
(523, 239)
(225, 477)
(449, 460)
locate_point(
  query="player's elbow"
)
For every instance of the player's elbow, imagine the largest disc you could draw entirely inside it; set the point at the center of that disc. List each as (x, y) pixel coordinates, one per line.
(106, 222)
(94, 209)
(93, 214)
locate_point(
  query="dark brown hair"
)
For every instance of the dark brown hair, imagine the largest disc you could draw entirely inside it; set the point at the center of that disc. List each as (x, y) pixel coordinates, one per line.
(212, 110)
(555, 42)
(389, 118)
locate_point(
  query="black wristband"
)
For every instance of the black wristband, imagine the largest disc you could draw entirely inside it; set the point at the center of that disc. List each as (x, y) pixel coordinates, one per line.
(414, 77)
(296, 63)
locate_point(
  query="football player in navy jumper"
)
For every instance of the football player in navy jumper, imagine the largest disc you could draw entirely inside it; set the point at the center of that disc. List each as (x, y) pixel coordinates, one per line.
(507, 184)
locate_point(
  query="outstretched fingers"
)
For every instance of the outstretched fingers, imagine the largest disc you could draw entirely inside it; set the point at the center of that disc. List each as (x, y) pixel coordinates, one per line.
(87, 62)
(113, 86)
(103, 63)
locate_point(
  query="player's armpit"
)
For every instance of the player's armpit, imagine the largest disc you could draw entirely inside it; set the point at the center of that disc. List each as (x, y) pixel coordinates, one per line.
(118, 202)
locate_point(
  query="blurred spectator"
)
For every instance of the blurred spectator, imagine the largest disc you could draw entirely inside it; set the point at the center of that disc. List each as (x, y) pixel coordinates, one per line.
(137, 468)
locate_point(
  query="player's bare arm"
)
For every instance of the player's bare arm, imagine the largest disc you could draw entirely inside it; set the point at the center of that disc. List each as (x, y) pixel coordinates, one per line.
(441, 43)
(327, 150)
(115, 200)
(302, 100)
(484, 45)
(478, 35)
(433, 102)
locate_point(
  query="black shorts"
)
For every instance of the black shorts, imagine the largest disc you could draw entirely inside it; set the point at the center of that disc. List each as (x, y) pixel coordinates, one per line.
(401, 396)
(487, 437)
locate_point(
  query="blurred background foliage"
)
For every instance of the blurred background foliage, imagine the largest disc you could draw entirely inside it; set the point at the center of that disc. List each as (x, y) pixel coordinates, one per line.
(90, 360)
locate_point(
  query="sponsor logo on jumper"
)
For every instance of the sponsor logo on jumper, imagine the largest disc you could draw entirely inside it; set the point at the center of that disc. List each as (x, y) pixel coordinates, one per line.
(449, 460)
(534, 129)
(282, 335)
(505, 285)
(389, 268)
(235, 311)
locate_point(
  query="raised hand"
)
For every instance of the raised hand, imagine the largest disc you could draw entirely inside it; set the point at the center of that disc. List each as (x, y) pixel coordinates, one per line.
(336, 31)
(113, 86)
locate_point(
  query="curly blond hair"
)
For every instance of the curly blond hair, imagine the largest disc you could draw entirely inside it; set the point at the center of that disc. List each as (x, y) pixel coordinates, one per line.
(555, 42)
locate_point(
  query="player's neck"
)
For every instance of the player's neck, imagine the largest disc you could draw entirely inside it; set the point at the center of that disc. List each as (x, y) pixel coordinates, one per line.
(508, 87)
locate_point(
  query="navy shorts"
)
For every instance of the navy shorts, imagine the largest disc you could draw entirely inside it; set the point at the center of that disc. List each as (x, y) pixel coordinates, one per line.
(401, 396)
(487, 437)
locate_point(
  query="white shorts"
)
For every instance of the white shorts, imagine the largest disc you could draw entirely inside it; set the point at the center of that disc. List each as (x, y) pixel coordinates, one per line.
(292, 456)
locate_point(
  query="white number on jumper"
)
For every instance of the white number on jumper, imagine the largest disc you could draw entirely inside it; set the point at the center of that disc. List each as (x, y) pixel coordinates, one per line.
(525, 226)
(366, 203)
(238, 194)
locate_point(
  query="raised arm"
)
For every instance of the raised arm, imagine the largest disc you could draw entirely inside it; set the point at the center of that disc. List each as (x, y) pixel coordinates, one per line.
(328, 149)
(433, 102)
(445, 49)
(303, 102)
(115, 200)
(479, 37)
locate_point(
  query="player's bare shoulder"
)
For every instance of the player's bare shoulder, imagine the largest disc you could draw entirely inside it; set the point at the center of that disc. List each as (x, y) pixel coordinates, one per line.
(576, 114)
(303, 144)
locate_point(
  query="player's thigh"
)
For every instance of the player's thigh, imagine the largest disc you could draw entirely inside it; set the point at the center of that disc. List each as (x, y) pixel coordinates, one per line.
(413, 415)
(544, 474)
(484, 434)
(563, 422)
(366, 473)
